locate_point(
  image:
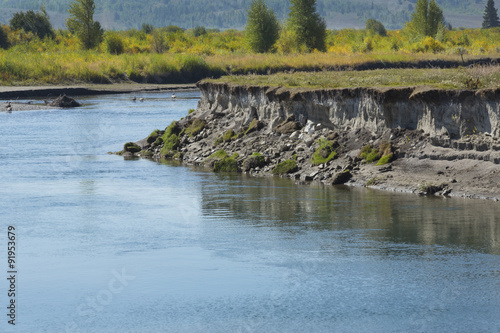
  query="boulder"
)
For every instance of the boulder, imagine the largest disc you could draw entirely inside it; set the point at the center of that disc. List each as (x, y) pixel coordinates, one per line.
(341, 177)
(65, 102)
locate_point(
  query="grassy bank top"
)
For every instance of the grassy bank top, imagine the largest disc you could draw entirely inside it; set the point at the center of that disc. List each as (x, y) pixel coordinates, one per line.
(475, 77)
(181, 57)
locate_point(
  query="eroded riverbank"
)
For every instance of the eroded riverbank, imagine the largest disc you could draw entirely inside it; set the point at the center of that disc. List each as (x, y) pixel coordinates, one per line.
(418, 140)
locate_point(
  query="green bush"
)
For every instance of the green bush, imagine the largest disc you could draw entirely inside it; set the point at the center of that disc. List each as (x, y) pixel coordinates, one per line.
(113, 43)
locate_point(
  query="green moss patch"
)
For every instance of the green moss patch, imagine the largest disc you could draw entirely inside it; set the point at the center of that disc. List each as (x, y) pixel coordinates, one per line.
(325, 152)
(255, 125)
(195, 126)
(227, 164)
(170, 140)
(154, 136)
(287, 166)
(383, 154)
(254, 161)
(131, 147)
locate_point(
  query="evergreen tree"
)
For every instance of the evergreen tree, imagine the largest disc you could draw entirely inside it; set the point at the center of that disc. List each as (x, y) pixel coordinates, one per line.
(427, 18)
(37, 23)
(4, 42)
(262, 29)
(490, 17)
(306, 23)
(81, 22)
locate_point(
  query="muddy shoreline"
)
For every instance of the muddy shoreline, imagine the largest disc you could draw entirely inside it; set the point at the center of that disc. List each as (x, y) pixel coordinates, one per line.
(440, 143)
(21, 92)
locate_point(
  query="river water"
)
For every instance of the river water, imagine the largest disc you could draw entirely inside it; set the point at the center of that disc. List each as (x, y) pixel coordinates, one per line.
(109, 245)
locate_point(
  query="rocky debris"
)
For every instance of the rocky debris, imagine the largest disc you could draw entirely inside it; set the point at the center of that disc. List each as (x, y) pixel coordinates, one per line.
(64, 101)
(288, 126)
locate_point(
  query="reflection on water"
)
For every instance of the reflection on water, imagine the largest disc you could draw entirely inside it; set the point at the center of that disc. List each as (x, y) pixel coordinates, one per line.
(381, 216)
(225, 253)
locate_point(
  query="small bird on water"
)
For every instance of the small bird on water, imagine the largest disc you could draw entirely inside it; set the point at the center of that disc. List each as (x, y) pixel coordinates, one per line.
(134, 98)
(141, 99)
(173, 96)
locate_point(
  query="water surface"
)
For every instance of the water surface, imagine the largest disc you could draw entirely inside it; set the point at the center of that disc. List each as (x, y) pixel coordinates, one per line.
(108, 245)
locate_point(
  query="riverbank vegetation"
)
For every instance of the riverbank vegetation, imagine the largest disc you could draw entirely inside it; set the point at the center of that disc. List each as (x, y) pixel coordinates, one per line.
(473, 77)
(173, 55)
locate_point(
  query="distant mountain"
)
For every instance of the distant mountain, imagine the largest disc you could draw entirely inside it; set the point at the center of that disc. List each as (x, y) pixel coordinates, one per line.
(225, 14)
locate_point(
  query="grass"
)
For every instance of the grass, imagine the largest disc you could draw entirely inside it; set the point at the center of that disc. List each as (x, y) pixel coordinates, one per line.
(170, 140)
(453, 78)
(383, 154)
(324, 153)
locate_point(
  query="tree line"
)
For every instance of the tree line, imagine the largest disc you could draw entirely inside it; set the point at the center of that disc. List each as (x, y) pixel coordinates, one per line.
(304, 30)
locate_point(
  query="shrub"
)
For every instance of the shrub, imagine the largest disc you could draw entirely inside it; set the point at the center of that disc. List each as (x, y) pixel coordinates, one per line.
(375, 27)
(199, 31)
(114, 43)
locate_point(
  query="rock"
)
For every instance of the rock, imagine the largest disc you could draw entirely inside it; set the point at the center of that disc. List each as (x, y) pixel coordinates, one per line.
(65, 102)
(254, 162)
(385, 169)
(332, 136)
(131, 147)
(341, 177)
(128, 155)
(446, 192)
(288, 127)
(309, 141)
(295, 135)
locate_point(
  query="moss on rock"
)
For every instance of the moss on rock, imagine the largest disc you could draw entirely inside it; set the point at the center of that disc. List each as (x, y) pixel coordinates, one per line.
(131, 147)
(287, 166)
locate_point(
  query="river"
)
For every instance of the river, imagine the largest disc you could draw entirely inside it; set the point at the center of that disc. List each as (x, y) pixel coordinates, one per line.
(105, 244)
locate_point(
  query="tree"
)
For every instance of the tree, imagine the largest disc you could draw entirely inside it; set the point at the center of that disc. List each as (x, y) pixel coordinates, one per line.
(4, 42)
(375, 27)
(309, 27)
(199, 31)
(262, 29)
(37, 23)
(427, 18)
(435, 18)
(490, 17)
(81, 22)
